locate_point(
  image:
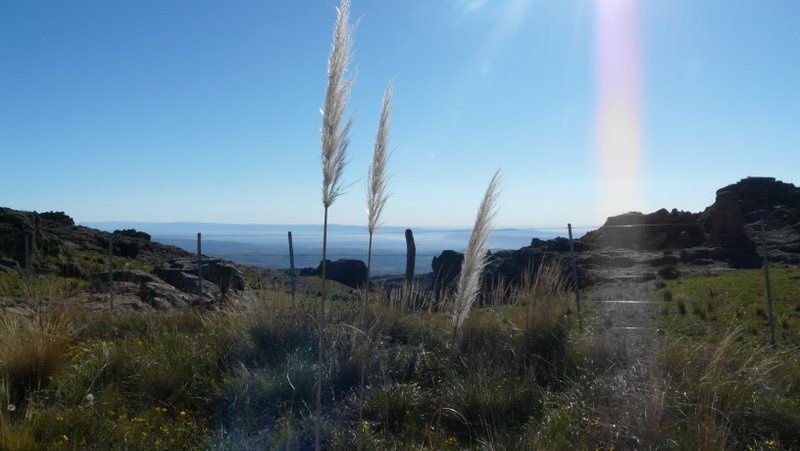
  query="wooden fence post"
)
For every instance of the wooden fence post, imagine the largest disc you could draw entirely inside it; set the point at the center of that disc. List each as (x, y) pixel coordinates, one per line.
(200, 266)
(27, 240)
(111, 271)
(575, 276)
(291, 266)
(411, 257)
(766, 279)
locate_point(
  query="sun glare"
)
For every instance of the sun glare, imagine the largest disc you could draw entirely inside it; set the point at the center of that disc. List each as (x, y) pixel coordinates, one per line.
(618, 117)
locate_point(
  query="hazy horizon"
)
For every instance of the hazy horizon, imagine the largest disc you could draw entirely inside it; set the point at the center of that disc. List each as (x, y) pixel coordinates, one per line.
(267, 244)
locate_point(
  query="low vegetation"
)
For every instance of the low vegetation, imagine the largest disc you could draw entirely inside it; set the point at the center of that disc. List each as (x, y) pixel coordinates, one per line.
(246, 377)
(522, 377)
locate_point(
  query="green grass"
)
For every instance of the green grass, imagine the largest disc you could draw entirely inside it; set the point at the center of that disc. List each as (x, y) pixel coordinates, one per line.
(94, 262)
(726, 386)
(47, 288)
(52, 288)
(706, 308)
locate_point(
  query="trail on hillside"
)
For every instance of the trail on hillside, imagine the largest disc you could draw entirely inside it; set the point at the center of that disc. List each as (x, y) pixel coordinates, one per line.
(627, 399)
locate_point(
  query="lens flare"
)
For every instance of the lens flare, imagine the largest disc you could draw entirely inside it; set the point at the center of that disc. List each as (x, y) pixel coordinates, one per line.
(618, 127)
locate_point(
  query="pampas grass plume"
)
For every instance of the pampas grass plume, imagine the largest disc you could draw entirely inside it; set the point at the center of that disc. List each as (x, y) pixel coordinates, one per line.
(476, 254)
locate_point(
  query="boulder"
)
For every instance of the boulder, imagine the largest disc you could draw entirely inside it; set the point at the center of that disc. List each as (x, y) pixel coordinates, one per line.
(352, 273)
(223, 274)
(182, 273)
(9, 266)
(162, 296)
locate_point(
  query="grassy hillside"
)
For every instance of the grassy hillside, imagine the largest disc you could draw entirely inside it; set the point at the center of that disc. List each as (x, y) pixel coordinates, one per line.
(522, 377)
(726, 384)
(706, 308)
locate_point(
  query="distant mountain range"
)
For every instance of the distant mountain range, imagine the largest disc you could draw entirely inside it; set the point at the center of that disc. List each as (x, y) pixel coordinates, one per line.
(267, 245)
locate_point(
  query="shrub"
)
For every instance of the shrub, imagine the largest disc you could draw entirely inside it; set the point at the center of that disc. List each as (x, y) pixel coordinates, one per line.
(669, 272)
(396, 407)
(490, 398)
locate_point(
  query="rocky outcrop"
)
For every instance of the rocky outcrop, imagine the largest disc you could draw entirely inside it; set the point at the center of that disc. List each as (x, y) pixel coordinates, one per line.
(100, 280)
(558, 244)
(133, 233)
(176, 285)
(728, 230)
(446, 268)
(661, 230)
(55, 240)
(757, 196)
(139, 287)
(182, 273)
(48, 254)
(122, 246)
(58, 217)
(507, 268)
(725, 228)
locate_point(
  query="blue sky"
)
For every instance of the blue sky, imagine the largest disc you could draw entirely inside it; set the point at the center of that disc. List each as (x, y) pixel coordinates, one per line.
(209, 111)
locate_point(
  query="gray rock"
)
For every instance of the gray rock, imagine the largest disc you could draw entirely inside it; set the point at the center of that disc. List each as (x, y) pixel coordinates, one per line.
(163, 296)
(182, 273)
(100, 280)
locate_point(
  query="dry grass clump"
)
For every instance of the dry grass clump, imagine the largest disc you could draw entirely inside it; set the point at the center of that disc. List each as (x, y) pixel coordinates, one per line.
(266, 332)
(32, 350)
(733, 393)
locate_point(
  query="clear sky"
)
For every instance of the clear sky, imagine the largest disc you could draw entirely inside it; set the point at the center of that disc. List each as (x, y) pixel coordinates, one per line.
(209, 111)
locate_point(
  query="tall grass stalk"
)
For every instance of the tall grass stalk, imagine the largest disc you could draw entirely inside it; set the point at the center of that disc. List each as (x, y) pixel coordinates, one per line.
(468, 288)
(376, 201)
(335, 130)
(475, 257)
(376, 185)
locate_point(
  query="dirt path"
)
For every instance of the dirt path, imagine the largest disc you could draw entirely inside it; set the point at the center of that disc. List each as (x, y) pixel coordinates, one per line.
(627, 398)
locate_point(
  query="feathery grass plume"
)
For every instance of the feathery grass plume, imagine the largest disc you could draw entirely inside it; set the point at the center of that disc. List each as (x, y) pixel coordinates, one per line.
(334, 149)
(376, 200)
(475, 256)
(376, 190)
(335, 129)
